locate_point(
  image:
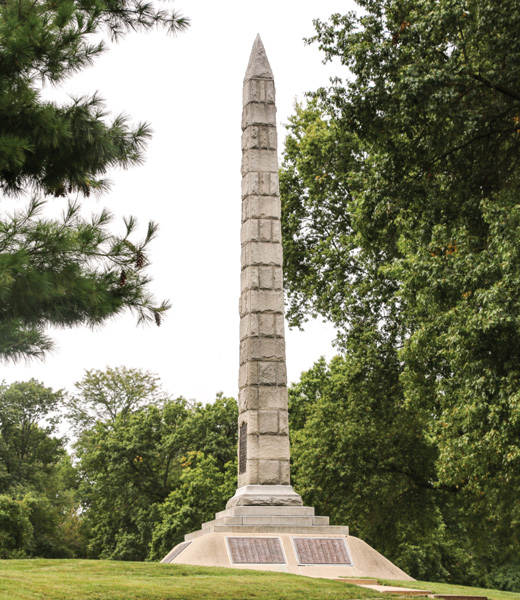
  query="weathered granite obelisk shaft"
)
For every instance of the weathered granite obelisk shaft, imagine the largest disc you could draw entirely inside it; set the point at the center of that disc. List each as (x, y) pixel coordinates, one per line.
(263, 427)
(265, 525)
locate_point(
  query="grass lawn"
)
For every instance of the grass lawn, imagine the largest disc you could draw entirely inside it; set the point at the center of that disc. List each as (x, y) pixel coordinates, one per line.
(111, 580)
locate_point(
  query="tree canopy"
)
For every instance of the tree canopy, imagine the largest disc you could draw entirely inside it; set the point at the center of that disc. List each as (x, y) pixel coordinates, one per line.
(367, 459)
(400, 192)
(112, 393)
(142, 472)
(73, 270)
(37, 479)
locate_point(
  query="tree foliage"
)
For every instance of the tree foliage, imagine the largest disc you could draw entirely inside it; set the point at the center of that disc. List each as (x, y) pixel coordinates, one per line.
(146, 468)
(29, 449)
(401, 225)
(38, 483)
(59, 148)
(71, 271)
(203, 490)
(366, 459)
(105, 395)
(140, 471)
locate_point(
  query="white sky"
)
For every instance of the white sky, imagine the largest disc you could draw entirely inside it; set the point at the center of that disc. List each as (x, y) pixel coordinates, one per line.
(189, 89)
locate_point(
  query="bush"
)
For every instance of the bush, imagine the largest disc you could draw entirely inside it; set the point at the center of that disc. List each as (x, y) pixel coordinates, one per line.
(505, 577)
(16, 531)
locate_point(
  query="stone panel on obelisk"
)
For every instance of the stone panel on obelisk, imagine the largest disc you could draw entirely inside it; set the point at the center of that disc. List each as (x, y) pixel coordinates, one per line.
(265, 525)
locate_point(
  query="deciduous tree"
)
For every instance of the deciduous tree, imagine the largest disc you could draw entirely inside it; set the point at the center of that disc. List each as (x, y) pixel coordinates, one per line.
(37, 479)
(105, 395)
(400, 190)
(134, 467)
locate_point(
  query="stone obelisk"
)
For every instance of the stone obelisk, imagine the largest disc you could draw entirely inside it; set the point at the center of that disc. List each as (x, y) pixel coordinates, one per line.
(265, 525)
(263, 447)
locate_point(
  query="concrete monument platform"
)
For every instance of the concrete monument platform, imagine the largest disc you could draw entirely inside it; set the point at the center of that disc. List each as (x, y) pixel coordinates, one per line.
(265, 525)
(287, 552)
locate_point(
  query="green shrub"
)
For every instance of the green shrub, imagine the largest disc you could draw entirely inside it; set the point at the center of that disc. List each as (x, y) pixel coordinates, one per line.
(16, 531)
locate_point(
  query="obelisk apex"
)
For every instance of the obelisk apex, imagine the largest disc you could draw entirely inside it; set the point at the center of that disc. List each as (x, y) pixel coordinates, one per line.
(258, 67)
(263, 471)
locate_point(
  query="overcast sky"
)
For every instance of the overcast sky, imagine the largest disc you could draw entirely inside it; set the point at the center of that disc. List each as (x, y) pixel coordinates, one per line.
(189, 89)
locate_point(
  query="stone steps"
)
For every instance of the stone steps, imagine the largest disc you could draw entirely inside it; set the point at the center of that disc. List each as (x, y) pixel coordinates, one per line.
(373, 584)
(324, 530)
(266, 511)
(400, 591)
(268, 521)
(358, 580)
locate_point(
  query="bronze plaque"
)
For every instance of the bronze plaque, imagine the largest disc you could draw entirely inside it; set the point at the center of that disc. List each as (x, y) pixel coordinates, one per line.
(251, 551)
(176, 551)
(242, 449)
(322, 551)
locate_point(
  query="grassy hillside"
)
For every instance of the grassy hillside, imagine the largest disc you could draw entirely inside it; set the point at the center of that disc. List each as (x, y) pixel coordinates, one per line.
(107, 580)
(110, 580)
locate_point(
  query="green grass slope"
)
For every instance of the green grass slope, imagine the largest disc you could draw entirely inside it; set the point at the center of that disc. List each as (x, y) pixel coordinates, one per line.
(110, 580)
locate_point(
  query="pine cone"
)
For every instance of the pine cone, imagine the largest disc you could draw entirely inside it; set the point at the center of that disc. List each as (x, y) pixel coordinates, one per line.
(158, 318)
(122, 278)
(139, 259)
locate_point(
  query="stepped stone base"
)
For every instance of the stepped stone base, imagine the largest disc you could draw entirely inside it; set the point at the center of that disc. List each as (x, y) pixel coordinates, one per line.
(289, 539)
(264, 520)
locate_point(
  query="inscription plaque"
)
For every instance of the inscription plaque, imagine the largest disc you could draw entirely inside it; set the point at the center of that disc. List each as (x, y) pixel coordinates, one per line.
(176, 551)
(322, 551)
(242, 449)
(255, 550)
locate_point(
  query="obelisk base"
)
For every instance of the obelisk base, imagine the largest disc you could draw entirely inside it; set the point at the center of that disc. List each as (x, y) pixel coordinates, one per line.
(289, 539)
(265, 495)
(286, 538)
